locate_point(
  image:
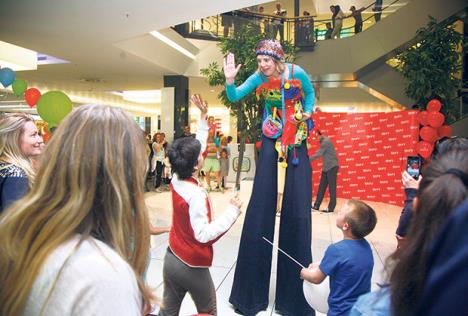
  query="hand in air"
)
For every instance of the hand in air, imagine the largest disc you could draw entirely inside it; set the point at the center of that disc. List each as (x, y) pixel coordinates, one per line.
(230, 69)
(202, 105)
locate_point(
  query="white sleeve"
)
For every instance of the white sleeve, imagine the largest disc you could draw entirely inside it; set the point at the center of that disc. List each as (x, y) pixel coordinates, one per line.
(202, 134)
(204, 230)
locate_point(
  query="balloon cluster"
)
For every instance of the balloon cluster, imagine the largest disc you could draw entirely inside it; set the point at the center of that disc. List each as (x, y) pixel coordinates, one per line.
(52, 106)
(432, 128)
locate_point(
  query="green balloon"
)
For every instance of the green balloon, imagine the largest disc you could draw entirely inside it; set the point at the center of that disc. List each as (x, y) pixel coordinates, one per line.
(19, 86)
(53, 106)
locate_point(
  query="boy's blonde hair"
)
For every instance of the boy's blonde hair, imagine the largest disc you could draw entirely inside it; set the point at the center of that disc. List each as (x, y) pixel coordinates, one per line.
(361, 218)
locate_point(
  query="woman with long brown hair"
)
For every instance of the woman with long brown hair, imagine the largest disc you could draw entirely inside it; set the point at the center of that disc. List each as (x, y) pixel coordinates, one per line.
(77, 243)
(19, 142)
(443, 187)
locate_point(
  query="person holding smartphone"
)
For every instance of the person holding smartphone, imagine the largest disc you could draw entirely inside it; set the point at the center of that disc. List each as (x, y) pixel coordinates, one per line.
(411, 183)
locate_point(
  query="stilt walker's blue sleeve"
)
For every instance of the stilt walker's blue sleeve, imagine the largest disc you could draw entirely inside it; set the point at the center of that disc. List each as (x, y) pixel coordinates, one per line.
(235, 94)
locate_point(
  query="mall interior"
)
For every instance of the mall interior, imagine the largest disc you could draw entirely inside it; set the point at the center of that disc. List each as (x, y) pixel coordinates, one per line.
(147, 57)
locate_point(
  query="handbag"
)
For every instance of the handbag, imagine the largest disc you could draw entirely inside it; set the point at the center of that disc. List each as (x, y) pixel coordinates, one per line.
(272, 126)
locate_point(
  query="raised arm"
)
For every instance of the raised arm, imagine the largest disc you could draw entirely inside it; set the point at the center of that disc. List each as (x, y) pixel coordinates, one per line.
(202, 133)
(230, 71)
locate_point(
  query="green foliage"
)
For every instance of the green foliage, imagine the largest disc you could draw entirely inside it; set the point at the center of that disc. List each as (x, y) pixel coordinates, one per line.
(432, 65)
(248, 110)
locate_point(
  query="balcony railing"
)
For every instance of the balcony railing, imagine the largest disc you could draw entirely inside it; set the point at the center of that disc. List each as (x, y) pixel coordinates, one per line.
(303, 31)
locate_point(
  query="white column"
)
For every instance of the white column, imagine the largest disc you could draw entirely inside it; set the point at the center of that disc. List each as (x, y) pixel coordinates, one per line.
(167, 112)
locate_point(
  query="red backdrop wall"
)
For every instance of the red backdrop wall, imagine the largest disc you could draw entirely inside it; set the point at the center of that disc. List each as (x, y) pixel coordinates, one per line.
(372, 150)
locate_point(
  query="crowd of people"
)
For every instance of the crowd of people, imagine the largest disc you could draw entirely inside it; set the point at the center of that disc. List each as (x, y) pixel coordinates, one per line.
(306, 30)
(215, 165)
(76, 235)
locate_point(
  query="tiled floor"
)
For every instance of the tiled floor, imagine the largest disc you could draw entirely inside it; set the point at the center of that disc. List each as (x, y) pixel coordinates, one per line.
(324, 232)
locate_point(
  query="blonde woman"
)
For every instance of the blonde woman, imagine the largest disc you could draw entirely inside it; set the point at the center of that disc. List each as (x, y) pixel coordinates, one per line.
(19, 142)
(289, 98)
(78, 242)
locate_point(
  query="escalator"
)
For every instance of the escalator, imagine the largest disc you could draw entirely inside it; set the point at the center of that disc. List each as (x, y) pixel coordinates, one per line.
(347, 57)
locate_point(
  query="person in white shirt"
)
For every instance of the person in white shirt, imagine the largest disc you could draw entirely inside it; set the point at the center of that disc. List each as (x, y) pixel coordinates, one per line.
(337, 17)
(278, 23)
(77, 243)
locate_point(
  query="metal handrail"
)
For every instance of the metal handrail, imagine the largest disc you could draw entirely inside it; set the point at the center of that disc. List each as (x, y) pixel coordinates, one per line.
(291, 25)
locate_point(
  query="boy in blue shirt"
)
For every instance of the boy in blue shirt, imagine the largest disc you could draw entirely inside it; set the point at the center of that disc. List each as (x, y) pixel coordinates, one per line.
(348, 263)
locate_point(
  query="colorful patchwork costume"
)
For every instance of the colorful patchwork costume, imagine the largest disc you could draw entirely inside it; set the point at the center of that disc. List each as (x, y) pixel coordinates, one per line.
(287, 96)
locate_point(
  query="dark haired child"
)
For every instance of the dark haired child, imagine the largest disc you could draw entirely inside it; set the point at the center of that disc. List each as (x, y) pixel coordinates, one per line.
(349, 262)
(194, 230)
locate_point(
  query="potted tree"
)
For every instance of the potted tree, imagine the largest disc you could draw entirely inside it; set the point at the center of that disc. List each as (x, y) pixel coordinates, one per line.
(432, 66)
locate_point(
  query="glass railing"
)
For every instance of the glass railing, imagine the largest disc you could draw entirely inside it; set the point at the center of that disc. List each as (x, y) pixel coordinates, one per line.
(303, 31)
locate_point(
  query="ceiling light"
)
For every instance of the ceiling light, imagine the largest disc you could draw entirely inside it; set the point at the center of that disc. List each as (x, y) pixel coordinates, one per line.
(43, 59)
(142, 96)
(17, 58)
(173, 44)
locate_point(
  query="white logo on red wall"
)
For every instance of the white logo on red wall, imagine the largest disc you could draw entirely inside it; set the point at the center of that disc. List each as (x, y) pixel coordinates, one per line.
(371, 149)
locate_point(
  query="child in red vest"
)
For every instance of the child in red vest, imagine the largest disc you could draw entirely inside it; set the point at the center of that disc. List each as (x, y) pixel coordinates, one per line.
(193, 232)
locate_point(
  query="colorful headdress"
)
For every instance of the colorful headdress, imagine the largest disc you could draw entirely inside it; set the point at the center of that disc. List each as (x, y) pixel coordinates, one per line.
(271, 48)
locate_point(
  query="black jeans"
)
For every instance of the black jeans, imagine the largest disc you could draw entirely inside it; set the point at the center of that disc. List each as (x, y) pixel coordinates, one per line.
(328, 178)
(158, 176)
(357, 28)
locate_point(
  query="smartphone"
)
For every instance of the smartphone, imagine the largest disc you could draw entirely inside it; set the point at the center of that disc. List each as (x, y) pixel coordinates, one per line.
(413, 166)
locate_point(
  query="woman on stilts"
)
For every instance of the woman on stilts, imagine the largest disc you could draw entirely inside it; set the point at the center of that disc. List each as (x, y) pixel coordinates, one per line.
(282, 182)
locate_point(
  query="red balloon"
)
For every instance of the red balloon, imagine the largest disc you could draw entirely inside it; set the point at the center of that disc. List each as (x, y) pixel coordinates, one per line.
(429, 134)
(435, 119)
(31, 96)
(258, 144)
(434, 105)
(444, 131)
(424, 149)
(422, 118)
